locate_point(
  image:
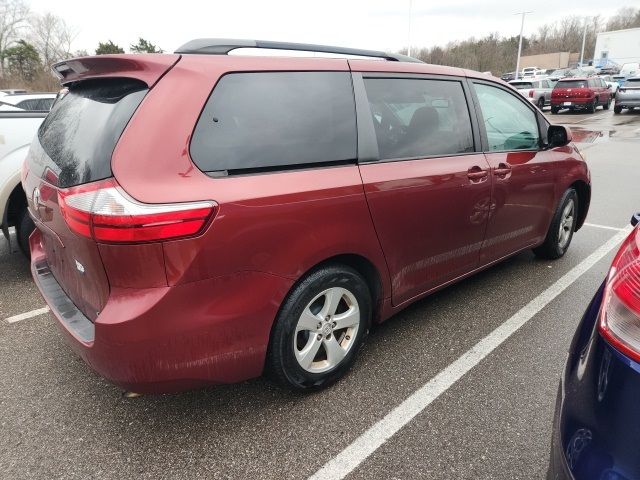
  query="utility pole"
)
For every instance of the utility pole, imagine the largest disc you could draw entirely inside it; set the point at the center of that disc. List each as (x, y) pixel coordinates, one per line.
(409, 32)
(584, 38)
(520, 43)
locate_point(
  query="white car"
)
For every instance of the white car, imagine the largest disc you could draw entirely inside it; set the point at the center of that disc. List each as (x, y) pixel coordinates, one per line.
(17, 130)
(34, 102)
(613, 85)
(532, 72)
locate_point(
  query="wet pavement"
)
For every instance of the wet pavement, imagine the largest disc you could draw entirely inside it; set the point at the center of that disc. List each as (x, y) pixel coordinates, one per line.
(60, 420)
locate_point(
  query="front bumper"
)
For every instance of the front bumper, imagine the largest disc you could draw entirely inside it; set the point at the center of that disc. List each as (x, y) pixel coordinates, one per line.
(169, 339)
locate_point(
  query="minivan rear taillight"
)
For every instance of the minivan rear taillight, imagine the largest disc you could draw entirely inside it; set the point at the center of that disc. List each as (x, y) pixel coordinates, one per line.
(103, 211)
(530, 93)
(620, 319)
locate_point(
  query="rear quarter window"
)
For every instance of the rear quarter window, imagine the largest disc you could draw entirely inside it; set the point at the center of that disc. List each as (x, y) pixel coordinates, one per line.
(275, 120)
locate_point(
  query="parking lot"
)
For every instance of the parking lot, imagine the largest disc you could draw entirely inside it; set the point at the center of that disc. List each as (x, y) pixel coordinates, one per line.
(472, 373)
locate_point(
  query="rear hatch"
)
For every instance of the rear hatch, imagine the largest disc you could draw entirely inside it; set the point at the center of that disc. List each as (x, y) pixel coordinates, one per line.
(571, 90)
(72, 149)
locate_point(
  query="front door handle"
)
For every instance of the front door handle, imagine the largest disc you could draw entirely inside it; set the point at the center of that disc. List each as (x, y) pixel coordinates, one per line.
(502, 170)
(476, 174)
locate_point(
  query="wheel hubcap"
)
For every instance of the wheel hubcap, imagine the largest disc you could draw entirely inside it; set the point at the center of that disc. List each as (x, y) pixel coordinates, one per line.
(326, 330)
(566, 224)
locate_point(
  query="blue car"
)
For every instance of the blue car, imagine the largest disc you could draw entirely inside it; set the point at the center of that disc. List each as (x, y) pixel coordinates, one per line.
(596, 432)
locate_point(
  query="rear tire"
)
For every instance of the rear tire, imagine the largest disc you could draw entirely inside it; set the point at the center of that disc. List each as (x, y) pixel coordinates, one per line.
(554, 110)
(24, 227)
(617, 109)
(541, 103)
(560, 232)
(608, 104)
(592, 107)
(308, 350)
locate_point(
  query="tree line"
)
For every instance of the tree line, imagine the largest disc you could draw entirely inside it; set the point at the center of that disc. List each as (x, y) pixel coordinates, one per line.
(31, 42)
(498, 54)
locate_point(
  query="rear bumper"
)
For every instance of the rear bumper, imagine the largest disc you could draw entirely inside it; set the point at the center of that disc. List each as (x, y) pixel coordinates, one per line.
(575, 102)
(597, 422)
(171, 338)
(627, 102)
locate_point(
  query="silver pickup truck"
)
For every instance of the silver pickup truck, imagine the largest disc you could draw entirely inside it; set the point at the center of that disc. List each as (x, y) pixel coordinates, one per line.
(17, 129)
(537, 92)
(628, 95)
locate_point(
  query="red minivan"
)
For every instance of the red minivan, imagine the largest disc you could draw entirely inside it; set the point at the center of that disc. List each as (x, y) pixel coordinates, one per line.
(203, 218)
(580, 94)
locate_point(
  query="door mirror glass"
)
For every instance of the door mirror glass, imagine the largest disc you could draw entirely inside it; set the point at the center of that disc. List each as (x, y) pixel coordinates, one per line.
(558, 136)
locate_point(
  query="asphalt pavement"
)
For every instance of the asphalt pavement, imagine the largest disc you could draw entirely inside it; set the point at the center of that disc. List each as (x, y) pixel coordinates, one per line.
(487, 414)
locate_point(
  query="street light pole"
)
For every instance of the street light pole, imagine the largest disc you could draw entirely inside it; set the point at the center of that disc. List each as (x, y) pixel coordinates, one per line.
(520, 43)
(409, 32)
(584, 38)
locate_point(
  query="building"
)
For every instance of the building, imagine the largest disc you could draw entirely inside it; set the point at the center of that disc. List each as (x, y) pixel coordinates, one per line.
(546, 60)
(619, 47)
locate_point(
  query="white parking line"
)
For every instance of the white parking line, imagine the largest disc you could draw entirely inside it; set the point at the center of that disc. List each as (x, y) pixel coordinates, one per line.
(24, 316)
(354, 454)
(605, 227)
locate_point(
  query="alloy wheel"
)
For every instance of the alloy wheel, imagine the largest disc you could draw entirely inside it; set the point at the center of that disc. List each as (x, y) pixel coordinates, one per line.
(567, 221)
(327, 329)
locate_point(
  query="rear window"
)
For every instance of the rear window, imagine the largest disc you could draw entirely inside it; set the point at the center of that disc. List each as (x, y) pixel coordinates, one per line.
(272, 120)
(82, 129)
(522, 85)
(634, 81)
(571, 84)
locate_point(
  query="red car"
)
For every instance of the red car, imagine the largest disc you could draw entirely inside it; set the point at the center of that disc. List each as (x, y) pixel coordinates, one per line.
(580, 94)
(204, 217)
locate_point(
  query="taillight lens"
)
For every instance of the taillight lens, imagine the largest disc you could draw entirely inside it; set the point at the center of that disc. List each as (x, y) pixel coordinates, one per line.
(620, 319)
(103, 211)
(530, 93)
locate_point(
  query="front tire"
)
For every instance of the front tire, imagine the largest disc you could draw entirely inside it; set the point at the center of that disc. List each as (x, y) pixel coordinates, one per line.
(24, 227)
(607, 105)
(554, 110)
(617, 109)
(541, 103)
(320, 328)
(560, 232)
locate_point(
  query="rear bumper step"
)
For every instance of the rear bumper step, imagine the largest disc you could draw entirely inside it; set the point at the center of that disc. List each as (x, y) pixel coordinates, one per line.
(63, 308)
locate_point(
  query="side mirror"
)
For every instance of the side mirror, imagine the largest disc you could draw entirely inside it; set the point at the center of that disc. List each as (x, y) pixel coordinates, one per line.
(635, 219)
(558, 136)
(608, 86)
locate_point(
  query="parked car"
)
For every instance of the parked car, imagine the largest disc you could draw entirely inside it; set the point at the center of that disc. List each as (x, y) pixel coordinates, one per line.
(537, 92)
(507, 77)
(12, 91)
(532, 72)
(628, 96)
(596, 417)
(38, 102)
(630, 69)
(612, 84)
(225, 215)
(619, 79)
(18, 130)
(580, 94)
(558, 74)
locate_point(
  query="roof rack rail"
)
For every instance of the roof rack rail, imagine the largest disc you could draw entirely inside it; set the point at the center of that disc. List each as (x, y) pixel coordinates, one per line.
(222, 46)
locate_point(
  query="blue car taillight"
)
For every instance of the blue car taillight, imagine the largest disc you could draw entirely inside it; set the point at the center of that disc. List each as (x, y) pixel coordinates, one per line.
(620, 318)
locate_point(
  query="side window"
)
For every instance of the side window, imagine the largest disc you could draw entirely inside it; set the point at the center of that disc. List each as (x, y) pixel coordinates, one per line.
(276, 119)
(416, 118)
(509, 123)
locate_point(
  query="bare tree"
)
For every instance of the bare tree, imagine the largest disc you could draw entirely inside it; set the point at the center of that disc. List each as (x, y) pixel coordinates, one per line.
(52, 37)
(13, 18)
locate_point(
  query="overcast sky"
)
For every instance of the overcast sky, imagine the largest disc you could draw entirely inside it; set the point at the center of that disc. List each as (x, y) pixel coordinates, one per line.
(373, 24)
